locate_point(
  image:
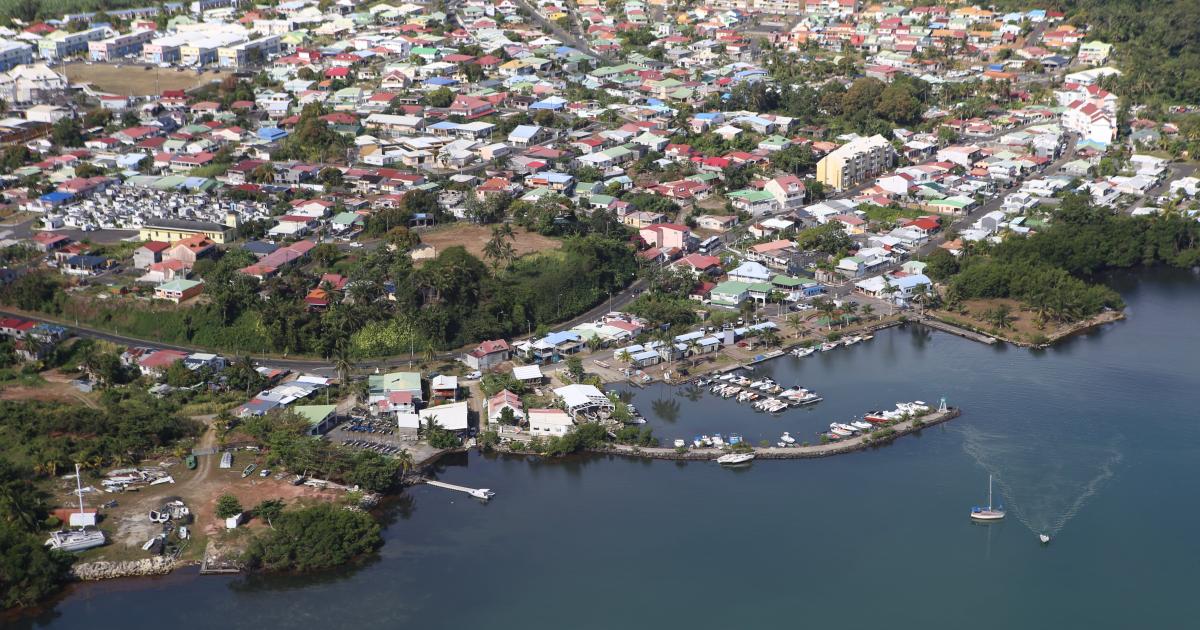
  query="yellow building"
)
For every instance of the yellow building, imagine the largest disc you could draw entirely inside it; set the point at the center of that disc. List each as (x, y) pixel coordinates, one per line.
(854, 162)
(171, 230)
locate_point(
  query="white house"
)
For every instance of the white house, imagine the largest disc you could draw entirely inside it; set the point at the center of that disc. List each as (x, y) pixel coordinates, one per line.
(549, 422)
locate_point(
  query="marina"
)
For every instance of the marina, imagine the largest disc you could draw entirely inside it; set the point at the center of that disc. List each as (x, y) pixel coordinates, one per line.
(1075, 458)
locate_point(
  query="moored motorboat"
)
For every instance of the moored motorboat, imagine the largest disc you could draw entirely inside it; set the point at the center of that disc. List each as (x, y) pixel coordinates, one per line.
(1044, 538)
(787, 438)
(731, 459)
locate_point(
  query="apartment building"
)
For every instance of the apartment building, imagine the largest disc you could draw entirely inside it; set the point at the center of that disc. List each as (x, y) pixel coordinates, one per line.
(62, 44)
(119, 46)
(855, 162)
(14, 53)
(252, 52)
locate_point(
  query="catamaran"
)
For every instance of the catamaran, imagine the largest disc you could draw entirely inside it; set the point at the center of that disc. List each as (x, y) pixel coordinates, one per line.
(76, 539)
(989, 513)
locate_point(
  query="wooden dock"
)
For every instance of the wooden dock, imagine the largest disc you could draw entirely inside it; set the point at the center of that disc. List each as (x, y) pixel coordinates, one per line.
(478, 493)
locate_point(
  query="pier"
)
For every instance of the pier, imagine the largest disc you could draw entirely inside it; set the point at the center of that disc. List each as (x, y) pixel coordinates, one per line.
(848, 445)
(478, 493)
(938, 324)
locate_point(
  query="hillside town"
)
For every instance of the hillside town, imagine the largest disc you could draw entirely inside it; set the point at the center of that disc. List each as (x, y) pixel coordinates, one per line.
(413, 227)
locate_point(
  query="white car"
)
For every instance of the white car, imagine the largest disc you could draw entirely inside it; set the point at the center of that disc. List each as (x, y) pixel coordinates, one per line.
(473, 375)
(356, 244)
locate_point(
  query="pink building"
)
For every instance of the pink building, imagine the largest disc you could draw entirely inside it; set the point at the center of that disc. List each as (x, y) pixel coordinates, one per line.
(666, 235)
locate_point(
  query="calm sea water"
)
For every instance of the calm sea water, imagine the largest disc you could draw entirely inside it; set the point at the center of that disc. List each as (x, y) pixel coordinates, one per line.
(1095, 442)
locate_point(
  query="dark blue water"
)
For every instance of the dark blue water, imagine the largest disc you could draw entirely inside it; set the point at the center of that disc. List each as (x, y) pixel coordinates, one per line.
(1094, 441)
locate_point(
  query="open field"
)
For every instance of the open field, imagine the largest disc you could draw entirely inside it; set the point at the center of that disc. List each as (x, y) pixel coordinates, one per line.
(474, 237)
(136, 80)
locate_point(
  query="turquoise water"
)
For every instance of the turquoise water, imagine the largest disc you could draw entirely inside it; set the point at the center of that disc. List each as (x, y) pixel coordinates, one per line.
(1094, 441)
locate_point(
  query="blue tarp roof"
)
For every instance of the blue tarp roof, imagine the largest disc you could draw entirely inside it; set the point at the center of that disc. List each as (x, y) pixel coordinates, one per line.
(56, 197)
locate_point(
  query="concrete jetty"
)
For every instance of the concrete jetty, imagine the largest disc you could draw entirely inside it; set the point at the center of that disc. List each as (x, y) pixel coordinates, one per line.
(938, 324)
(881, 436)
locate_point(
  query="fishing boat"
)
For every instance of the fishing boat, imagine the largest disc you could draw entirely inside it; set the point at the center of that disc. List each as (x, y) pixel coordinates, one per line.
(732, 459)
(80, 538)
(989, 513)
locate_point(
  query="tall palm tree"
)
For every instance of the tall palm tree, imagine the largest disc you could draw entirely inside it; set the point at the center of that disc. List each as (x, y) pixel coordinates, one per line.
(794, 320)
(404, 458)
(343, 363)
(868, 310)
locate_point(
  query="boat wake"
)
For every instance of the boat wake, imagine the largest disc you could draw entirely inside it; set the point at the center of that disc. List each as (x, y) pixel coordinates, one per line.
(1044, 485)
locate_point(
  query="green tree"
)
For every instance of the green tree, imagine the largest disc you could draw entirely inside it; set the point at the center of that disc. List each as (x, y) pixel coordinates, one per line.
(314, 538)
(66, 132)
(228, 505)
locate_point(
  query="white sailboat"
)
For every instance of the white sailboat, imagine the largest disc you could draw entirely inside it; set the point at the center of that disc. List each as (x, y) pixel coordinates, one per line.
(76, 539)
(989, 513)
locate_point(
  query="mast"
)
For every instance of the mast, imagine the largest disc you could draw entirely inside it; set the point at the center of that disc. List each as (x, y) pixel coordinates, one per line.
(79, 488)
(989, 494)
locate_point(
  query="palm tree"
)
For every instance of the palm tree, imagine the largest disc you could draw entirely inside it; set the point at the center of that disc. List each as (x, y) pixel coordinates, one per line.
(693, 348)
(868, 310)
(794, 320)
(404, 458)
(343, 364)
(624, 356)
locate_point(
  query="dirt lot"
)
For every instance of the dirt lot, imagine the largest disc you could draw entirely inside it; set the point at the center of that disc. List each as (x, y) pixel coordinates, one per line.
(474, 237)
(1023, 326)
(56, 387)
(136, 80)
(128, 526)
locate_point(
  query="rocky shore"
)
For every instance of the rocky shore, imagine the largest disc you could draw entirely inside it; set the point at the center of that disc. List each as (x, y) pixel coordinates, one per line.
(104, 570)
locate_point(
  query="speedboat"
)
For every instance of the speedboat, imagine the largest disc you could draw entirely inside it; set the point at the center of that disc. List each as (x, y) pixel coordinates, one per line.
(840, 432)
(844, 427)
(757, 384)
(680, 444)
(876, 417)
(800, 353)
(860, 425)
(787, 438)
(1044, 538)
(735, 458)
(829, 345)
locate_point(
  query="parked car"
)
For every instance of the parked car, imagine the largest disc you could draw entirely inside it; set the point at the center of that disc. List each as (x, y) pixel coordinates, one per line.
(473, 375)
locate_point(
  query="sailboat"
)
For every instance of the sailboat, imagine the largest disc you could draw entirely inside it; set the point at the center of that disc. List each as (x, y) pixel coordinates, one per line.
(988, 513)
(80, 538)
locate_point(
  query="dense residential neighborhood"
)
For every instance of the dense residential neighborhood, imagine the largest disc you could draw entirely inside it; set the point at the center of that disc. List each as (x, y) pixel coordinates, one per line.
(349, 237)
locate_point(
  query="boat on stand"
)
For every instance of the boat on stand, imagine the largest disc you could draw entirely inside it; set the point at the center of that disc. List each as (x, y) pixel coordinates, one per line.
(79, 538)
(988, 513)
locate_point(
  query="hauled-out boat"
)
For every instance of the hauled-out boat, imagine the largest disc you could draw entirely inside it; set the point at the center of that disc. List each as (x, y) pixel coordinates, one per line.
(735, 458)
(247, 470)
(190, 460)
(989, 513)
(80, 538)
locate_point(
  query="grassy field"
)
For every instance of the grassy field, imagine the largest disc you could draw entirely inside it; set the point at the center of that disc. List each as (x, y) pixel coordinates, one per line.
(136, 80)
(474, 237)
